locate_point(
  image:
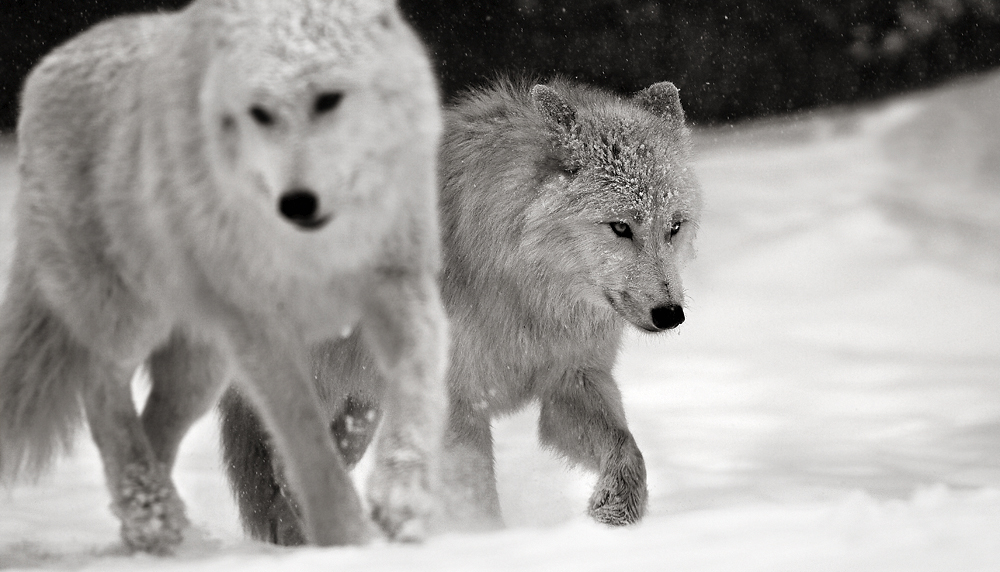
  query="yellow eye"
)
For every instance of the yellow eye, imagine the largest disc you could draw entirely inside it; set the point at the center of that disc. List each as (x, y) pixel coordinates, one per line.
(621, 229)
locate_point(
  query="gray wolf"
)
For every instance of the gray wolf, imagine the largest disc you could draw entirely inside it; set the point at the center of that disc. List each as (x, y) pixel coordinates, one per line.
(208, 193)
(567, 212)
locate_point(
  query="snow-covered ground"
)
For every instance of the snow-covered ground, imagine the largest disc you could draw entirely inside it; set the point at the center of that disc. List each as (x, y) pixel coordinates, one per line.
(832, 403)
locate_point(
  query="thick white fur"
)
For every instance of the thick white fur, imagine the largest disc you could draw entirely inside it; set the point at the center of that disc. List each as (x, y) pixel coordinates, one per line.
(148, 231)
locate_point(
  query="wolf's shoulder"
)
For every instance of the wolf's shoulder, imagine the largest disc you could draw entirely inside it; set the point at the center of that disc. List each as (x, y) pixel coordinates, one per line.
(98, 52)
(83, 74)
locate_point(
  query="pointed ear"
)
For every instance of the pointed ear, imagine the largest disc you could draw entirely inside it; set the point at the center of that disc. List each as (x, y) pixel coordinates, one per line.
(556, 110)
(663, 100)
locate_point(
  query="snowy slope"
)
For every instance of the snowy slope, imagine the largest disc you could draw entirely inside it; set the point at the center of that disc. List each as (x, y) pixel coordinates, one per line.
(832, 403)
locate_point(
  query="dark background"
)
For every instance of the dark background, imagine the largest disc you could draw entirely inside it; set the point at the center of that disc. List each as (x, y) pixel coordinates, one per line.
(732, 59)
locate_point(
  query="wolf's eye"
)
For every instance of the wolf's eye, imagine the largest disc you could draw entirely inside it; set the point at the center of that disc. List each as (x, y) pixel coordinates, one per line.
(675, 228)
(571, 169)
(261, 116)
(326, 102)
(621, 229)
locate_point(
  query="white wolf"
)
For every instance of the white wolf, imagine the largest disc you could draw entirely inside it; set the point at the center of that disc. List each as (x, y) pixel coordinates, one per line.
(208, 192)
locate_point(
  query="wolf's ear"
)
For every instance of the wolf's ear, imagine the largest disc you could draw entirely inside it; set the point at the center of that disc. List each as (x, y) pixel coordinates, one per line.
(556, 110)
(663, 100)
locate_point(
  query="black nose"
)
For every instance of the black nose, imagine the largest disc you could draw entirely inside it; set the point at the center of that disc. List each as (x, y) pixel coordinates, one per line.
(667, 317)
(301, 207)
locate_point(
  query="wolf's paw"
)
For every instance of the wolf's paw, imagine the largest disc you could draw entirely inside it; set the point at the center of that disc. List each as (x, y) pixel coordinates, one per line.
(620, 496)
(152, 514)
(285, 521)
(401, 499)
(354, 428)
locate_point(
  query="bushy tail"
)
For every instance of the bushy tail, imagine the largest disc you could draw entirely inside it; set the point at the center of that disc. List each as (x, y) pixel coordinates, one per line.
(42, 370)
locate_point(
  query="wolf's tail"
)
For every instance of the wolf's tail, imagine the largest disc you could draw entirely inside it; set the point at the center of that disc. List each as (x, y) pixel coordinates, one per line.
(42, 370)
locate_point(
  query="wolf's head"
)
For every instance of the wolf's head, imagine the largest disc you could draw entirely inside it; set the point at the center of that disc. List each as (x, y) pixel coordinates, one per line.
(317, 116)
(623, 205)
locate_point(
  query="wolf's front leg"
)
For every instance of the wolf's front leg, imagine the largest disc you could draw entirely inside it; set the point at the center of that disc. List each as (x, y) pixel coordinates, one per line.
(144, 498)
(583, 418)
(469, 498)
(406, 330)
(275, 378)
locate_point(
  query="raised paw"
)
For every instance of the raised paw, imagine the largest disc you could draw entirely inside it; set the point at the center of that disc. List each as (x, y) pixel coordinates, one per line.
(620, 496)
(354, 427)
(151, 513)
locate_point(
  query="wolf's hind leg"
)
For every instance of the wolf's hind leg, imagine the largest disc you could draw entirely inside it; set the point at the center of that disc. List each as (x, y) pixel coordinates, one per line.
(143, 496)
(187, 377)
(582, 417)
(405, 329)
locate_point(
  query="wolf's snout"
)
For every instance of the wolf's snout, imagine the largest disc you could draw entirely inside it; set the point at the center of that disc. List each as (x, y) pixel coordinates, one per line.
(667, 317)
(301, 208)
